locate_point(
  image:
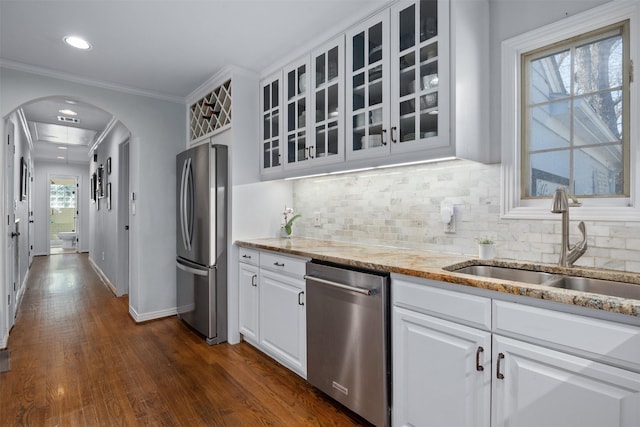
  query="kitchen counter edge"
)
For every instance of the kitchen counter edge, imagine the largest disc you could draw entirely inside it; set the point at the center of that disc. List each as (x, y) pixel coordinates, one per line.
(430, 265)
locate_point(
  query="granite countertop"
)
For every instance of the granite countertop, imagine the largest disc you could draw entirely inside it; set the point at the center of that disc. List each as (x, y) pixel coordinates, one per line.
(431, 265)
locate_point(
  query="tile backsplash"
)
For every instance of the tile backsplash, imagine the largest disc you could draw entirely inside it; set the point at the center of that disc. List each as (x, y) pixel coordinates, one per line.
(401, 207)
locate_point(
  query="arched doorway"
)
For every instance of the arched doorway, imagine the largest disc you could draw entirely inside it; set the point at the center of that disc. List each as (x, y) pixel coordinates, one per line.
(66, 139)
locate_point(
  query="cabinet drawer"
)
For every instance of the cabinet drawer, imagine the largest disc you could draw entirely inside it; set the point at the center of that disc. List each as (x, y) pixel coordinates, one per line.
(613, 343)
(277, 262)
(421, 295)
(249, 256)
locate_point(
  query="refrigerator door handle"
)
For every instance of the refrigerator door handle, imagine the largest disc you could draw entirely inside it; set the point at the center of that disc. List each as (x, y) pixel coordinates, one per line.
(181, 204)
(196, 271)
(184, 214)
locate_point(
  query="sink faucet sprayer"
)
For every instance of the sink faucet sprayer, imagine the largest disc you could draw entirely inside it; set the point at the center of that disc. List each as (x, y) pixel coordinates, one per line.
(568, 254)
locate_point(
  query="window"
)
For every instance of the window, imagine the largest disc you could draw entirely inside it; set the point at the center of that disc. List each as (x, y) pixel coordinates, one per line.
(570, 116)
(62, 196)
(575, 115)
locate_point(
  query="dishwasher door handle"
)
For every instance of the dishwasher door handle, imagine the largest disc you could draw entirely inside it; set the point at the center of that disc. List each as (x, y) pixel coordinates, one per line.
(367, 292)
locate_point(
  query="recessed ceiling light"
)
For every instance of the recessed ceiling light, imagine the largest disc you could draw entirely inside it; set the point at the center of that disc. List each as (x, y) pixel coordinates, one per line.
(68, 112)
(70, 101)
(77, 42)
(62, 148)
(61, 157)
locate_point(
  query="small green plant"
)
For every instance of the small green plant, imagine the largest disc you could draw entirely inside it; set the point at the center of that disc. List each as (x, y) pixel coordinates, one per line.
(484, 240)
(288, 222)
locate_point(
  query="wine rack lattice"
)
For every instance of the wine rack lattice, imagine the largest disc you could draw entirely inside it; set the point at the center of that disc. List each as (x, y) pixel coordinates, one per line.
(212, 112)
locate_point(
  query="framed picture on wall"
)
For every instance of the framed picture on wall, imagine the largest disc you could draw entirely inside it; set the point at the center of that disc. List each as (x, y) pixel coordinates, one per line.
(92, 190)
(100, 190)
(109, 196)
(24, 179)
(109, 166)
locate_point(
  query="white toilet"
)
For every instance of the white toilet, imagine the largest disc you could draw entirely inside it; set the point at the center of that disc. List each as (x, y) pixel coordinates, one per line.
(68, 238)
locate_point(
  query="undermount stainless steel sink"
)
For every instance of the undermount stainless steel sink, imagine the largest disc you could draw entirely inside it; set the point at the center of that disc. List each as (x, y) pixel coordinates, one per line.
(597, 286)
(560, 281)
(506, 273)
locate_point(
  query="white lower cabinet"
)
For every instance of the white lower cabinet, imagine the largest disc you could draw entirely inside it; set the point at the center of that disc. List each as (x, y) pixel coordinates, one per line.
(248, 295)
(283, 320)
(543, 387)
(441, 373)
(272, 312)
(537, 367)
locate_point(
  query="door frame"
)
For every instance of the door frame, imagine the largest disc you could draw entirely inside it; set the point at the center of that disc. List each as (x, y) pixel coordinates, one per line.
(77, 218)
(123, 220)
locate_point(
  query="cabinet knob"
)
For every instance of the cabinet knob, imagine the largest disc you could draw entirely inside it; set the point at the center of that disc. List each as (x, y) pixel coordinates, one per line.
(277, 264)
(254, 280)
(393, 139)
(382, 138)
(300, 302)
(246, 256)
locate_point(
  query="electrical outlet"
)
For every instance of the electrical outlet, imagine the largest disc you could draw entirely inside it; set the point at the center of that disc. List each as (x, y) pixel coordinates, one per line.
(316, 219)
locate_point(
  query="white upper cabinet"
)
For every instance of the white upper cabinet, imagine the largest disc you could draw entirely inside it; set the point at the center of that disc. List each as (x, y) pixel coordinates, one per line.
(416, 88)
(270, 124)
(368, 88)
(327, 103)
(398, 80)
(296, 79)
(419, 75)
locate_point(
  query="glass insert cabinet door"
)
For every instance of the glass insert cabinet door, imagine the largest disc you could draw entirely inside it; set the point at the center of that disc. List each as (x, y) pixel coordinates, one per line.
(296, 81)
(271, 104)
(367, 76)
(328, 102)
(417, 70)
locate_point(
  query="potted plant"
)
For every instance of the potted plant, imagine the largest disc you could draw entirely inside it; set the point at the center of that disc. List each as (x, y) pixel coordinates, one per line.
(485, 248)
(285, 227)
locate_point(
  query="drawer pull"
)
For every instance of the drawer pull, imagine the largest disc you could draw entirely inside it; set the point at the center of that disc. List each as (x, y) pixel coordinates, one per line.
(300, 302)
(277, 264)
(246, 256)
(479, 367)
(254, 281)
(499, 374)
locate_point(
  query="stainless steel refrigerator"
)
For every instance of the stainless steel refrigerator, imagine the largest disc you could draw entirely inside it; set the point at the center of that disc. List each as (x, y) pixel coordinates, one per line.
(201, 263)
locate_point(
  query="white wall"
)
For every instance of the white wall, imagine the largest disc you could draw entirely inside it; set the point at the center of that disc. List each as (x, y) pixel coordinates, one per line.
(104, 228)
(158, 128)
(509, 18)
(43, 170)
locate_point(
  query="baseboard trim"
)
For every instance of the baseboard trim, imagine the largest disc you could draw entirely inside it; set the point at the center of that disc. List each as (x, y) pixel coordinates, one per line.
(103, 277)
(153, 315)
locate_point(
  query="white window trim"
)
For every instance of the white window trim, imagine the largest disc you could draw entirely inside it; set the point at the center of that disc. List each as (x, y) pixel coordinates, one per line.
(511, 204)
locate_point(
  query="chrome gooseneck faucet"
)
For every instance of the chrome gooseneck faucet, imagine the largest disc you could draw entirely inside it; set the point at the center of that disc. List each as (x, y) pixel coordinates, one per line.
(568, 254)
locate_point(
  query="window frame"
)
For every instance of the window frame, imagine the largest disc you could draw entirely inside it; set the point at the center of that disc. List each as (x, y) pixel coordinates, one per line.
(513, 205)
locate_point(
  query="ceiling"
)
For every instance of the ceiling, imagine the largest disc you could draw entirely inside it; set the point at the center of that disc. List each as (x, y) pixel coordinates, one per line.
(68, 140)
(161, 48)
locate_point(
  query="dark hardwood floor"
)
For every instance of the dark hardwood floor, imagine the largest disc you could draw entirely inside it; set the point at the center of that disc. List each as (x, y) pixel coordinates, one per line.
(77, 358)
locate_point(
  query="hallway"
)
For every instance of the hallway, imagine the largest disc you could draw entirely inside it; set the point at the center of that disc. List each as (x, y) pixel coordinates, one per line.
(78, 359)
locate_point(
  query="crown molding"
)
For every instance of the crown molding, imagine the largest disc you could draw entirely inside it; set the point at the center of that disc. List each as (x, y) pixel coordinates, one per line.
(25, 127)
(18, 66)
(103, 135)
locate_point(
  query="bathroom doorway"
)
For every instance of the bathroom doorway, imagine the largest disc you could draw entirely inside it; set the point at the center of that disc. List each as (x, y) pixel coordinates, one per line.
(63, 214)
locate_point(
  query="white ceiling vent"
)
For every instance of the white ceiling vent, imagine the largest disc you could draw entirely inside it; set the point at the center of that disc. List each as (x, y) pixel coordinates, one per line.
(68, 119)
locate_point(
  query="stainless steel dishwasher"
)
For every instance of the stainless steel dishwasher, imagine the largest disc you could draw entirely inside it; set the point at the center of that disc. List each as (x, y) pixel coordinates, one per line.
(348, 345)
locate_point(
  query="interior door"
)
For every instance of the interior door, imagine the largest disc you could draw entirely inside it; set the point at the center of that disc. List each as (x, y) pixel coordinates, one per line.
(31, 227)
(9, 208)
